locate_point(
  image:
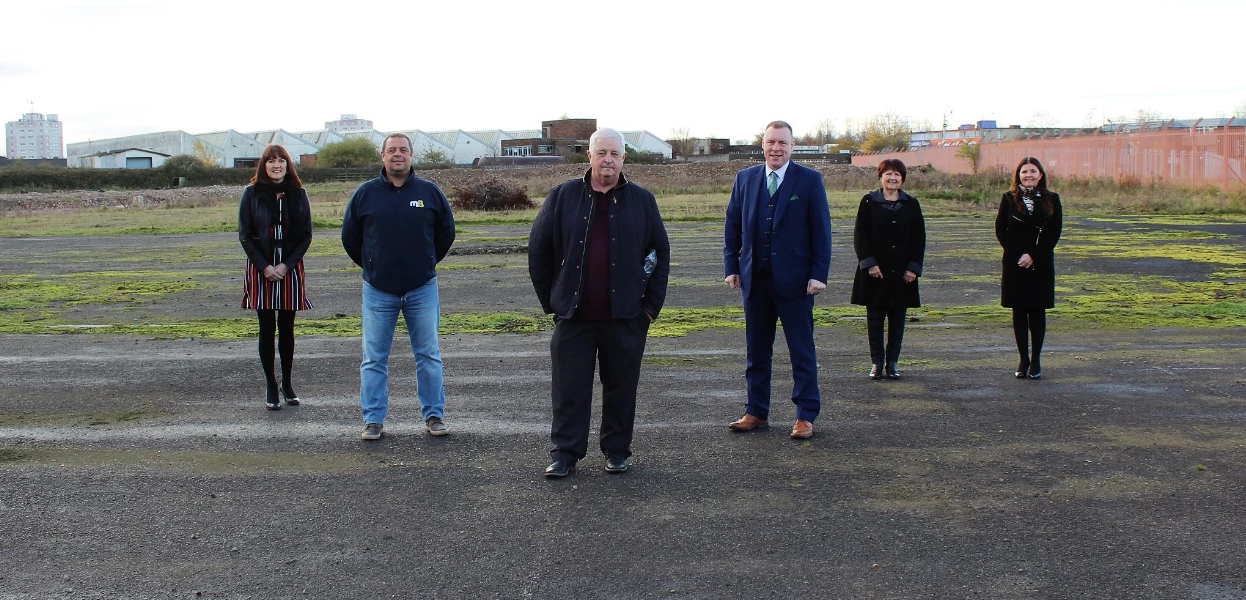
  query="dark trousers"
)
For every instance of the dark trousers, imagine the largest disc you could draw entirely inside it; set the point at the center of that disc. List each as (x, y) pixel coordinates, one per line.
(762, 310)
(874, 317)
(577, 348)
(1032, 321)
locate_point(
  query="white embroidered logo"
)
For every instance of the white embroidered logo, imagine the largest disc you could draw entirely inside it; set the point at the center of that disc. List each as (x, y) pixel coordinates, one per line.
(417, 203)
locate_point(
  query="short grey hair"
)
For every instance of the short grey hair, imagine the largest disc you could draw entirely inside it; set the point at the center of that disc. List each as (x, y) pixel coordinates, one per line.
(606, 133)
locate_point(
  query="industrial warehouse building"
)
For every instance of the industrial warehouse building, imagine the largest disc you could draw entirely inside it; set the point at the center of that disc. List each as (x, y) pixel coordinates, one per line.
(235, 149)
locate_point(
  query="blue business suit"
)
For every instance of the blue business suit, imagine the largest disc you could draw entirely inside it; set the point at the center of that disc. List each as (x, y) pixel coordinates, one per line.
(775, 290)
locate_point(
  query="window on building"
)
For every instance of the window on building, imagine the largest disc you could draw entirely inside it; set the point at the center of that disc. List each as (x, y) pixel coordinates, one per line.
(545, 149)
(518, 150)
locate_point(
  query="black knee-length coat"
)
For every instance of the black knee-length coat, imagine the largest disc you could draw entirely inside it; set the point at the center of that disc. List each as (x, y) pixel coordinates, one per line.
(891, 235)
(1034, 234)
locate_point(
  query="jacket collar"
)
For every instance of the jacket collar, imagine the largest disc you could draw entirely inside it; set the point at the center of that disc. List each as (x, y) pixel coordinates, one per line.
(386, 181)
(877, 196)
(588, 179)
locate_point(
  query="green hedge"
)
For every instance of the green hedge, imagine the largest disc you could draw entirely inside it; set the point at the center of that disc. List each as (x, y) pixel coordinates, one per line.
(59, 178)
(46, 178)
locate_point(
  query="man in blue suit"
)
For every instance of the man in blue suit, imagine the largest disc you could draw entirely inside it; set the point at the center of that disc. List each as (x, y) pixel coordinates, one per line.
(777, 249)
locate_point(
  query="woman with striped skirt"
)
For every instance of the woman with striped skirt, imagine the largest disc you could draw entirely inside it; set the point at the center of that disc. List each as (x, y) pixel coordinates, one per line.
(275, 229)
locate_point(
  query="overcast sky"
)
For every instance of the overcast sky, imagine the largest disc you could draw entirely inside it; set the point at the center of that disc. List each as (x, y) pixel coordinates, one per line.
(110, 69)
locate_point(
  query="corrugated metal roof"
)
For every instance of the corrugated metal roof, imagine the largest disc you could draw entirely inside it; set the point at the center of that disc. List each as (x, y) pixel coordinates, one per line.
(490, 138)
(216, 138)
(263, 137)
(123, 150)
(372, 135)
(446, 138)
(1220, 122)
(319, 138)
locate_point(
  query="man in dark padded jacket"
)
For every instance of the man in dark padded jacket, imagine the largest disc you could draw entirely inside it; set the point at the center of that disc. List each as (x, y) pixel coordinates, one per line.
(599, 259)
(398, 227)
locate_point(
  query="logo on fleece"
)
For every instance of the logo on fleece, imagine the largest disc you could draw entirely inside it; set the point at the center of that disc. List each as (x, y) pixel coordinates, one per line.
(417, 203)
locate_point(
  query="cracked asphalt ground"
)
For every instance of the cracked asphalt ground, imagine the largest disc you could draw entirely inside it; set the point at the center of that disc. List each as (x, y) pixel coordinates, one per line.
(141, 467)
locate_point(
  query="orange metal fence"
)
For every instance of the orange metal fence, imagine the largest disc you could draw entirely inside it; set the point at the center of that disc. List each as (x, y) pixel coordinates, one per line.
(1178, 156)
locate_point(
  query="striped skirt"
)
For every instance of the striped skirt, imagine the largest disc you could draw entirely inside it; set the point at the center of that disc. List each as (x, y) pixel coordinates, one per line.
(289, 293)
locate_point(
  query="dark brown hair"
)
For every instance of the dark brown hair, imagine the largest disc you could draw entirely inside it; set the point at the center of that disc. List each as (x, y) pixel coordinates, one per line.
(261, 172)
(410, 144)
(1041, 200)
(893, 164)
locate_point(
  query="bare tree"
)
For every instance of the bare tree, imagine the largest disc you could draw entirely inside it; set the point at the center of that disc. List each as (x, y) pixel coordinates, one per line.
(1240, 111)
(682, 142)
(886, 131)
(826, 130)
(811, 138)
(852, 136)
(1042, 120)
(1146, 115)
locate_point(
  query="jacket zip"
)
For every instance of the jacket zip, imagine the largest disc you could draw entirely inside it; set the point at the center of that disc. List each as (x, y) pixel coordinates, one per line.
(592, 203)
(1040, 230)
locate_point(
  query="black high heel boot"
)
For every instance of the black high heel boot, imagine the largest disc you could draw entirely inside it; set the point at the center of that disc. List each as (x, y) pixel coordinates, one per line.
(876, 371)
(891, 371)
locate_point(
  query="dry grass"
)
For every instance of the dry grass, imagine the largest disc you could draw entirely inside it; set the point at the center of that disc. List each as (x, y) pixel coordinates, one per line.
(685, 192)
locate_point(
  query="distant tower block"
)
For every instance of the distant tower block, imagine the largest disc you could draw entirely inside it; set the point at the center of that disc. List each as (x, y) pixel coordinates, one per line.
(34, 137)
(348, 123)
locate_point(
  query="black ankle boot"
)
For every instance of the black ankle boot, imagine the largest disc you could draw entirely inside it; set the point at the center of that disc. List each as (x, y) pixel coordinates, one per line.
(876, 371)
(892, 373)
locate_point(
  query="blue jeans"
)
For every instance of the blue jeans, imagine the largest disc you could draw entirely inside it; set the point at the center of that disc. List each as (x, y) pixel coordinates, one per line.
(421, 309)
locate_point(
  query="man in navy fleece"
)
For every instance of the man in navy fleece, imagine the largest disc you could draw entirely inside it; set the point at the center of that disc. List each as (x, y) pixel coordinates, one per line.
(397, 227)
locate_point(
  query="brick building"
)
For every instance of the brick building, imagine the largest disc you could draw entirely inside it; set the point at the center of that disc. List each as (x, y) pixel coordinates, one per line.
(560, 137)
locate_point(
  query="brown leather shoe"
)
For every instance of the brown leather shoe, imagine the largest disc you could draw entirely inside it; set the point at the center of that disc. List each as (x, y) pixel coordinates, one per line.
(803, 430)
(748, 423)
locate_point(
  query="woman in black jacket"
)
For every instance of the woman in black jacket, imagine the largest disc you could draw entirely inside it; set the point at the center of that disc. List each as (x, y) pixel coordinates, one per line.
(275, 229)
(890, 241)
(1028, 226)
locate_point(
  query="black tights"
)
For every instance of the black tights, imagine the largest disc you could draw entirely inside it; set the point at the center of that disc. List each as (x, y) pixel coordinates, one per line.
(280, 322)
(874, 317)
(1034, 322)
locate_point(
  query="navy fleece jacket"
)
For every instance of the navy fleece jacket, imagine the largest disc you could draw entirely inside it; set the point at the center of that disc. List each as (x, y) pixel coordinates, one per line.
(398, 234)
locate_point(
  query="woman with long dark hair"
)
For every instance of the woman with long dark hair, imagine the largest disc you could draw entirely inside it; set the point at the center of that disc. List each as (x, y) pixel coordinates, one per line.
(890, 241)
(275, 230)
(1028, 226)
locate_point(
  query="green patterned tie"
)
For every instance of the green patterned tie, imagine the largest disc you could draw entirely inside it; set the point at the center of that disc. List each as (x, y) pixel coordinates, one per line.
(774, 183)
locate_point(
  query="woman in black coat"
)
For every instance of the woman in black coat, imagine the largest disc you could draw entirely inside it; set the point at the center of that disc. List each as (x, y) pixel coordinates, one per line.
(890, 241)
(1028, 226)
(275, 230)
